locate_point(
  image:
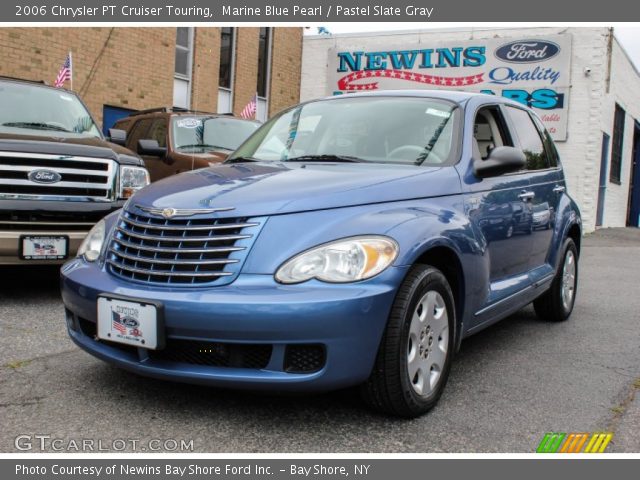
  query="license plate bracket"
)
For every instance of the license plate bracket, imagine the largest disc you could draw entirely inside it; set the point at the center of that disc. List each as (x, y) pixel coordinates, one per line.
(44, 247)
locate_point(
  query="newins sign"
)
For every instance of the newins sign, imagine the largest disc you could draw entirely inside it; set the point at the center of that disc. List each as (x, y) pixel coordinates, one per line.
(532, 71)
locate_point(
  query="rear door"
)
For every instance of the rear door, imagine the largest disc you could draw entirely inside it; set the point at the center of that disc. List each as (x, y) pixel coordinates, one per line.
(546, 184)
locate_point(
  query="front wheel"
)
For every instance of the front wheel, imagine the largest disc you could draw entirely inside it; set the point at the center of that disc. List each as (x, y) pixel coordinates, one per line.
(556, 304)
(414, 358)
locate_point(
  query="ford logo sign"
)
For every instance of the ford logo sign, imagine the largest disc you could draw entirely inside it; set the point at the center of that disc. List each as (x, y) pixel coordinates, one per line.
(527, 51)
(44, 176)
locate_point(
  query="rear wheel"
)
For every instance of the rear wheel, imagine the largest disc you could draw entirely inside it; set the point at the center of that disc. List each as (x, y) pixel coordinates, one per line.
(556, 304)
(414, 357)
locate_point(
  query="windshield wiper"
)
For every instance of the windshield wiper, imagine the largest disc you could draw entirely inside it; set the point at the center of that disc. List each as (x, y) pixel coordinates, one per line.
(242, 159)
(325, 158)
(203, 145)
(38, 125)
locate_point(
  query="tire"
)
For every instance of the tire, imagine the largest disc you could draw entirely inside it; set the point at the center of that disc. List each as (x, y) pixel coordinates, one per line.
(426, 341)
(554, 305)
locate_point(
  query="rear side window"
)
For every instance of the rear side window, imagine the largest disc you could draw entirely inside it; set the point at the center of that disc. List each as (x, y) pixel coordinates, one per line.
(530, 140)
(158, 132)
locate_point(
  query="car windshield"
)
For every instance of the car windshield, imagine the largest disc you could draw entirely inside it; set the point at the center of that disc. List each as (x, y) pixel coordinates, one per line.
(36, 110)
(205, 132)
(396, 130)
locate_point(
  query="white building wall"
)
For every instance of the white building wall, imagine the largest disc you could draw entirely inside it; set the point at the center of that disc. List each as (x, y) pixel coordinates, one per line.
(624, 90)
(587, 99)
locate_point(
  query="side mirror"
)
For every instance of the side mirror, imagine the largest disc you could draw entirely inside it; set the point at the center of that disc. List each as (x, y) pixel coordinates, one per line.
(117, 136)
(501, 160)
(151, 147)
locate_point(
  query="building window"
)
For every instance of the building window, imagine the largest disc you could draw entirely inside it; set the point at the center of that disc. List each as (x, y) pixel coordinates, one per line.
(182, 71)
(227, 61)
(616, 148)
(264, 60)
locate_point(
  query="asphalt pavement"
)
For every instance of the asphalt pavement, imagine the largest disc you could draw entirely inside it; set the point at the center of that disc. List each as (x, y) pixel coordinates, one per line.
(510, 384)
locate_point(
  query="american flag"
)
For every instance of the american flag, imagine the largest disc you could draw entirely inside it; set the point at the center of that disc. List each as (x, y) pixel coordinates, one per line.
(116, 323)
(249, 111)
(65, 72)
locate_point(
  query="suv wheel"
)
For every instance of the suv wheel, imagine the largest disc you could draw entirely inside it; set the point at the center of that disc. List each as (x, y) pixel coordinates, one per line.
(556, 304)
(415, 353)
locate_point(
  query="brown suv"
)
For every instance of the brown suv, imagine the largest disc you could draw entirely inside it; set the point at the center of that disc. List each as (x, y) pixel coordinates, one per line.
(172, 141)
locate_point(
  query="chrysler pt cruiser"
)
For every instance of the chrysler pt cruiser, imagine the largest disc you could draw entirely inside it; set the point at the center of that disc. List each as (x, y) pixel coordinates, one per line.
(351, 241)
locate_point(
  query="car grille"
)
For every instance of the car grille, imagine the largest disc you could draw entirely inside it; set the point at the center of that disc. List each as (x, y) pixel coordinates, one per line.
(187, 251)
(80, 178)
(304, 358)
(215, 354)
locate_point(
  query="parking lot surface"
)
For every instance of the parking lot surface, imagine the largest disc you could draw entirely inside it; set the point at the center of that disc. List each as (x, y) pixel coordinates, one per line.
(509, 384)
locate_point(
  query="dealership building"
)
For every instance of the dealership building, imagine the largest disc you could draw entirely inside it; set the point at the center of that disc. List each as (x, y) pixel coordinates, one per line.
(579, 80)
(120, 69)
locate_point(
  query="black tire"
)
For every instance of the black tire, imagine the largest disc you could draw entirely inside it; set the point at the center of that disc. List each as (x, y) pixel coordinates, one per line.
(389, 388)
(550, 306)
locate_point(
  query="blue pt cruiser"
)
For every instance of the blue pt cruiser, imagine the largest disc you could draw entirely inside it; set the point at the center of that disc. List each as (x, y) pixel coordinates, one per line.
(354, 240)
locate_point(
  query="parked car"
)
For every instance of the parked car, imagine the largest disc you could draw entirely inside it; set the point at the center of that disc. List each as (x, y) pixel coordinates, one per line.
(172, 140)
(58, 174)
(541, 215)
(354, 256)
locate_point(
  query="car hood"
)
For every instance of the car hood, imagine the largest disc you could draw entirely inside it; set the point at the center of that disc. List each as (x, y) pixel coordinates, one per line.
(269, 188)
(76, 146)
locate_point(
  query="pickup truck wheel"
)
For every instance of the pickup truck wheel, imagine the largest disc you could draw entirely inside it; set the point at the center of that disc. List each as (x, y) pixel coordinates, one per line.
(414, 357)
(556, 304)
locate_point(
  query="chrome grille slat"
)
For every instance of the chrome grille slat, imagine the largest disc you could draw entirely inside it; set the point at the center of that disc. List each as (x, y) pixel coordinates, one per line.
(200, 250)
(171, 262)
(224, 226)
(161, 238)
(178, 250)
(167, 273)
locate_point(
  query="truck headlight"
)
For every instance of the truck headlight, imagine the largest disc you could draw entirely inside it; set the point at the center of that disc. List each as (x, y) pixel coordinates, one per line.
(132, 179)
(341, 261)
(91, 246)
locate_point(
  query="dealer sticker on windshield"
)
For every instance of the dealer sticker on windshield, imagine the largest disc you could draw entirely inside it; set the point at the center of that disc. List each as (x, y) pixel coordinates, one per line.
(189, 123)
(438, 113)
(128, 322)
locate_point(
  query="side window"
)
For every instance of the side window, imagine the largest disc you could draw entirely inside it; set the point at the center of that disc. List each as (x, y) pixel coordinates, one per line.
(158, 132)
(138, 131)
(530, 140)
(489, 132)
(549, 145)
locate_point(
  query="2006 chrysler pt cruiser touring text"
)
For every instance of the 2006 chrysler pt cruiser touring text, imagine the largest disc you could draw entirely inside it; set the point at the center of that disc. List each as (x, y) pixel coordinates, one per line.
(354, 240)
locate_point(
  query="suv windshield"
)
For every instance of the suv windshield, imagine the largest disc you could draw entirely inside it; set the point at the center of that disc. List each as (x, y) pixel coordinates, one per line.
(37, 110)
(397, 130)
(203, 132)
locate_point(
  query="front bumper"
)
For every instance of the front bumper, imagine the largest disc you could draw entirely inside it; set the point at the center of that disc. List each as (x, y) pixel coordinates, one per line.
(347, 321)
(10, 245)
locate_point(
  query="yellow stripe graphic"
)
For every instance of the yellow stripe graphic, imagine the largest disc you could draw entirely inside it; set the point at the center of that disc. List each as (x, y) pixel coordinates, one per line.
(605, 442)
(594, 437)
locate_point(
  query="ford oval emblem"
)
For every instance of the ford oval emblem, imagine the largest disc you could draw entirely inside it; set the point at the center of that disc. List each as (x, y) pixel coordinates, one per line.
(44, 176)
(527, 51)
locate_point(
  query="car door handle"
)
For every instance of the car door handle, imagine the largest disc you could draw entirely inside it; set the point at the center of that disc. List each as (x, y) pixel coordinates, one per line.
(525, 195)
(558, 189)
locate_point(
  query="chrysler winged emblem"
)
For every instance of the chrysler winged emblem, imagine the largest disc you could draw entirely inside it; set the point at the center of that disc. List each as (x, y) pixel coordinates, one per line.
(168, 212)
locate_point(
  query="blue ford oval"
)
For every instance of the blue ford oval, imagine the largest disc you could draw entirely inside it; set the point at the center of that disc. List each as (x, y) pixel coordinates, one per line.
(354, 240)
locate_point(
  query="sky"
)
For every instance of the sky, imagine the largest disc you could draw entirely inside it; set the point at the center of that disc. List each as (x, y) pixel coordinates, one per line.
(629, 37)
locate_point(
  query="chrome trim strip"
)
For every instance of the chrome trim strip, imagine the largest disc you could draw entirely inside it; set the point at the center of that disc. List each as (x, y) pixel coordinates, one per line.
(183, 212)
(224, 226)
(143, 271)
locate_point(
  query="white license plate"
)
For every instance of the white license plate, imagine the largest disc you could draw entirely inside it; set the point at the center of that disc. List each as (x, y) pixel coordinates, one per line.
(128, 322)
(34, 247)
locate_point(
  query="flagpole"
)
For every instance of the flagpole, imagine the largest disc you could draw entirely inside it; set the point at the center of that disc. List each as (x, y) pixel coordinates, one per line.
(71, 68)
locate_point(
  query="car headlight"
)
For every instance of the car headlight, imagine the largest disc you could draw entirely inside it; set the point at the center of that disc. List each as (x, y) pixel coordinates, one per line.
(132, 179)
(341, 261)
(91, 246)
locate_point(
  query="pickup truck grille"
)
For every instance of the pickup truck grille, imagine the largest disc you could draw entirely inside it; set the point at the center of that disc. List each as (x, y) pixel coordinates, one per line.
(77, 178)
(188, 251)
(48, 221)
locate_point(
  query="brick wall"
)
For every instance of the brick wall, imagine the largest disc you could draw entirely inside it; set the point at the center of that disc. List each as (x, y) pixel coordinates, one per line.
(133, 67)
(590, 107)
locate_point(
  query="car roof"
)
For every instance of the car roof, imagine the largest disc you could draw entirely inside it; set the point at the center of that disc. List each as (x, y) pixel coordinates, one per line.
(34, 83)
